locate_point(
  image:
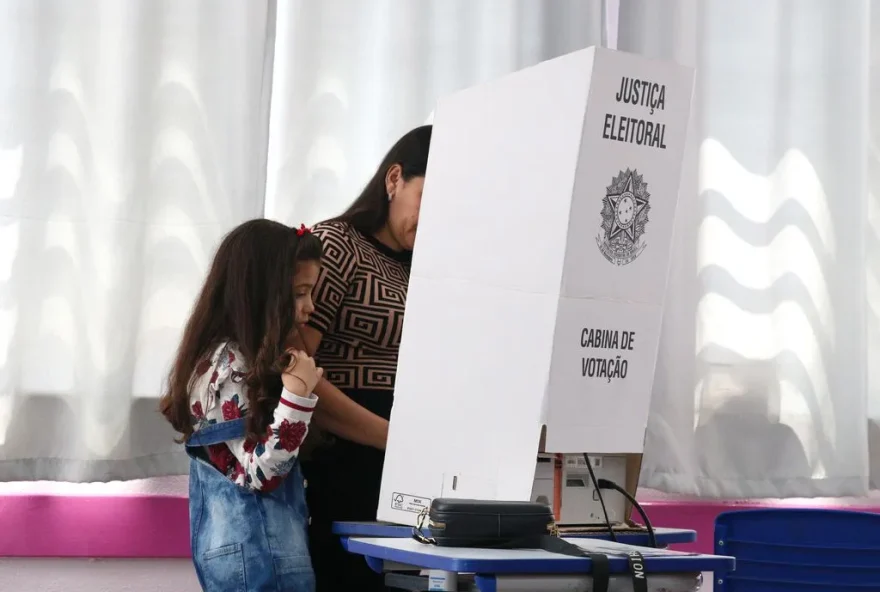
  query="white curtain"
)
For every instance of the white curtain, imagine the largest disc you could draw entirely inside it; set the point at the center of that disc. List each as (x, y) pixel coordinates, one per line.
(134, 134)
(767, 381)
(351, 77)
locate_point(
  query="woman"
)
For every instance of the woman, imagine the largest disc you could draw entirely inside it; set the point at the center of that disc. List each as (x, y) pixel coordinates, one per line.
(243, 401)
(355, 334)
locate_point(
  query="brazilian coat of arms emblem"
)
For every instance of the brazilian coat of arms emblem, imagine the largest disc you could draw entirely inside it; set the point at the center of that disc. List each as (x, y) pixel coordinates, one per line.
(625, 210)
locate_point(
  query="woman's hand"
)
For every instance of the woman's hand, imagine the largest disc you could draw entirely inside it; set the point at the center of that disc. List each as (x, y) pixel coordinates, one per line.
(301, 375)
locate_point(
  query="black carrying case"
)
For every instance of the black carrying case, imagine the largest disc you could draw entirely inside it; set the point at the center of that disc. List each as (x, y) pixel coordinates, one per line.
(488, 524)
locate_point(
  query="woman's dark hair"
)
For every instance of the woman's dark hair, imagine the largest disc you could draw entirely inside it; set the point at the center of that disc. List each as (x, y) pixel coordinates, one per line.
(248, 298)
(369, 212)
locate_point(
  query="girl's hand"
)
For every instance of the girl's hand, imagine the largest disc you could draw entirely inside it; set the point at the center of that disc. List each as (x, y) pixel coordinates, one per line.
(301, 375)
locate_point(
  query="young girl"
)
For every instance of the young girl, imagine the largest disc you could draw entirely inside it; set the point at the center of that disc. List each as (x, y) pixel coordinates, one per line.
(242, 399)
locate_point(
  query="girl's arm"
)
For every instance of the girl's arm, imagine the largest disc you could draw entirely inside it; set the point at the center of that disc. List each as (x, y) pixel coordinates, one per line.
(264, 464)
(260, 465)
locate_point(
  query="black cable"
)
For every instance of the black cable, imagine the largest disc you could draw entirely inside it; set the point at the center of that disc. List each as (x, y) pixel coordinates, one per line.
(601, 498)
(606, 484)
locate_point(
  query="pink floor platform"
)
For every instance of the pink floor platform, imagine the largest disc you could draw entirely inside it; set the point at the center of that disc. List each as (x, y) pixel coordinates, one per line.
(157, 526)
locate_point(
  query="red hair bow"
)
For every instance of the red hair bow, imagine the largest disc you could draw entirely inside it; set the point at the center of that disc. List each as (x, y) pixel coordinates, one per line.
(302, 230)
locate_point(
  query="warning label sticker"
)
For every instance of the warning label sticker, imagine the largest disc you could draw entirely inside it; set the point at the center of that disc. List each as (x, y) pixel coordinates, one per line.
(409, 503)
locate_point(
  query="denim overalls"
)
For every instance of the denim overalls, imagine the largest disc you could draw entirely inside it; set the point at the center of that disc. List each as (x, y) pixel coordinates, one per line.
(246, 541)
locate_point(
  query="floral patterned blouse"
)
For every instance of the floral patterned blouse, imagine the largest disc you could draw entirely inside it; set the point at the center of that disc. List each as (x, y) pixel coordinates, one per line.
(219, 394)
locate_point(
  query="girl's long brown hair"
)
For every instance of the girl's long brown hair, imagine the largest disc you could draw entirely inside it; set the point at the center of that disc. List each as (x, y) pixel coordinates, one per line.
(247, 298)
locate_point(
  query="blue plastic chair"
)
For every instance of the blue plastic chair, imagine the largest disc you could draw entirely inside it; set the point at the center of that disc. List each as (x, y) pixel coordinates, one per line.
(799, 549)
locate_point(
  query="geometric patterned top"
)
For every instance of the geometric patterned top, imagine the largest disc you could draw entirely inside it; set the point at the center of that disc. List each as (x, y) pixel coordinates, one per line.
(359, 303)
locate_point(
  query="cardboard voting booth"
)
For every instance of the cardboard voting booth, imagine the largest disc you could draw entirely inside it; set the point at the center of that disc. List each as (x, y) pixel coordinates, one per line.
(537, 284)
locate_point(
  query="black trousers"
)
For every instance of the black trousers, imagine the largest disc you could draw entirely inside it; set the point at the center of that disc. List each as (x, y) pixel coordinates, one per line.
(343, 485)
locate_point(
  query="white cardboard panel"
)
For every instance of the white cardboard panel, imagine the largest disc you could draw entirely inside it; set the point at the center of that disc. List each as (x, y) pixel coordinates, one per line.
(601, 376)
(464, 405)
(508, 271)
(498, 185)
(602, 184)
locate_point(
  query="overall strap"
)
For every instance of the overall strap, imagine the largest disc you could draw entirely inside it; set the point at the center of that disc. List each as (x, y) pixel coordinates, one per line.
(217, 433)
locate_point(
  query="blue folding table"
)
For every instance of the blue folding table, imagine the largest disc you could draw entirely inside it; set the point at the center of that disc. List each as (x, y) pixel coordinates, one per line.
(527, 570)
(664, 536)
